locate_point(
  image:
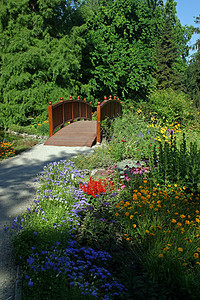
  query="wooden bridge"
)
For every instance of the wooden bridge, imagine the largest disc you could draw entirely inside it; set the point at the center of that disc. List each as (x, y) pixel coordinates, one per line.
(74, 117)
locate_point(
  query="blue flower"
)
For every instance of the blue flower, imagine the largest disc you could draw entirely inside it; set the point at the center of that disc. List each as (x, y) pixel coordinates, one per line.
(30, 283)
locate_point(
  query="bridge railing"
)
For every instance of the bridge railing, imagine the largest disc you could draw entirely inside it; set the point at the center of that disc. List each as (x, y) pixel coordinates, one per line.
(109, 108)
(67, 111)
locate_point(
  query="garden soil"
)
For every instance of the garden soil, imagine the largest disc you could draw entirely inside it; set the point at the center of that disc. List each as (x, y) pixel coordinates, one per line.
(17, 190)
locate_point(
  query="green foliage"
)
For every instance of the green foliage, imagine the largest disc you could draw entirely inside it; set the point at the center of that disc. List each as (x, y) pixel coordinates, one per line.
(94, 48)
(171, 49)
(100, 157)
(192, 78)
(40, 60)
(173, 164)
(172, 106)
(120, 54)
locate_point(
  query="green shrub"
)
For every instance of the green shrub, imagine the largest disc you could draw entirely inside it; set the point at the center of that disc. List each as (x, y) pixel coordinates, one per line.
(172, 106)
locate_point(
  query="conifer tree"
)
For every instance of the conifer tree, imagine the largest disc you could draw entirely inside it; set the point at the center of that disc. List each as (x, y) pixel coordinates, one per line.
(40, 56)
(166, 49)
(171, 49)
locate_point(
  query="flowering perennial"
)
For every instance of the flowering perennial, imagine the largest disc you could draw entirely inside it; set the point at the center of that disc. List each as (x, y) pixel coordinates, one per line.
(6, 150)
(95, 188)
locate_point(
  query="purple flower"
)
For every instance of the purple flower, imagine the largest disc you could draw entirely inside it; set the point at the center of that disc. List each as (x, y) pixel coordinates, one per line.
(6, 228)
(30, 283)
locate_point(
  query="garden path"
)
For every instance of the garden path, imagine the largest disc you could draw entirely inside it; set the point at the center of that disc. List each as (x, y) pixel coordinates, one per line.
(16, 194)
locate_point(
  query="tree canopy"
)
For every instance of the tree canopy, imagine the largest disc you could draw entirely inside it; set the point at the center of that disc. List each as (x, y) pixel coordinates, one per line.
(54, 48)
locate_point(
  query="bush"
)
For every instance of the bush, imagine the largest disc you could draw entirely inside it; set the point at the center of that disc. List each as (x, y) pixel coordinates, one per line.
(172, 106)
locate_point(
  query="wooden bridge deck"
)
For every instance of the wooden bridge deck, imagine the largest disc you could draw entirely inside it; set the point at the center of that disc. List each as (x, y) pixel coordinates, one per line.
(80, 134)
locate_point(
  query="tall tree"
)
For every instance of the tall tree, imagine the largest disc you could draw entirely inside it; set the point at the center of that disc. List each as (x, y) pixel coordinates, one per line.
(171, 48)
(118, 59)
(39, 57)
(192, 74)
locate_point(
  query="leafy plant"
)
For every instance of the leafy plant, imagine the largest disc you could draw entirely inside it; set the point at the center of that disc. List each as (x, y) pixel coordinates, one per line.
(172, 106)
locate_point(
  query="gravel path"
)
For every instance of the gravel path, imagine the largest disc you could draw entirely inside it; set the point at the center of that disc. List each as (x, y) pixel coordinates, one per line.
(16, 194)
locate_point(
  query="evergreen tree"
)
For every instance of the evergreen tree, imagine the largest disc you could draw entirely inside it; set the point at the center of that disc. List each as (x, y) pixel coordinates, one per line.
(166, 57)
(171, 49)
(192, 74)
(40, 57)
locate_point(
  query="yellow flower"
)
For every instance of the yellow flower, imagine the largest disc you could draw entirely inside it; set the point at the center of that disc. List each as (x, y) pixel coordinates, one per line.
(116, 214)
(182, 216)
(196, 255)
(147, 231)
(166, 248)
(197, 220)
(134, 225)
(179, 224)
(160, 255)
(152, 234)
(198, 249)
(173, 221)
(180, 249)
(127, 214)
(131, 217)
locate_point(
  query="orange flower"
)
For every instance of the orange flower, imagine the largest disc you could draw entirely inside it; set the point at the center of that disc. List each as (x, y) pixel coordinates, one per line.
(180, 249)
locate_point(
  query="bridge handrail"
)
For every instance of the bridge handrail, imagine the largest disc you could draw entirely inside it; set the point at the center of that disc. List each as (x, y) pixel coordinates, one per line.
(67, 111)
(109, 108)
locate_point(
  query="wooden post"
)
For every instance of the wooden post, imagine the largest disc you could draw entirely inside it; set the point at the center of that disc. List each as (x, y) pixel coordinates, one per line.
(79, 108)
(85, 108)
(63, 115)
(98, 123)
(50, 119)
(72, 112)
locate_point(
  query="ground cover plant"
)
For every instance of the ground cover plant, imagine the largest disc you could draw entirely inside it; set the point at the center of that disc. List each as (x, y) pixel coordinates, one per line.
(14, 144)
(132, 232)
(6, 150)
